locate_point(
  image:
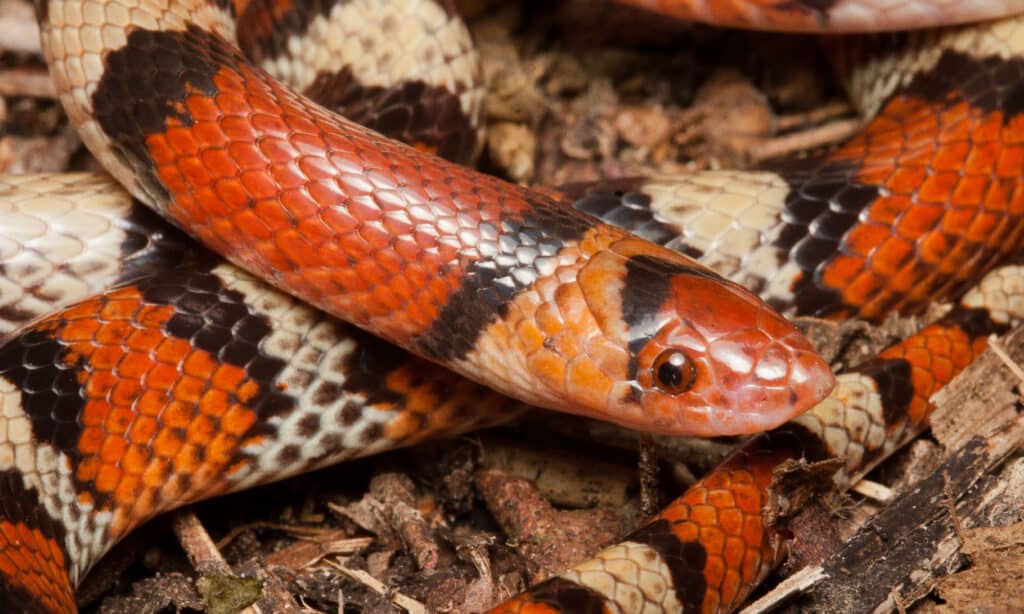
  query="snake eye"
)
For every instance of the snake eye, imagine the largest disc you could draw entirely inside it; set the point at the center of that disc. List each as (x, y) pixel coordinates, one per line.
(674, 372)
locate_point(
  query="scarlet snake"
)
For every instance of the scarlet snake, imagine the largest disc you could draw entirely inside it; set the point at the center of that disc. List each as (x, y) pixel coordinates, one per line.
(981, 265)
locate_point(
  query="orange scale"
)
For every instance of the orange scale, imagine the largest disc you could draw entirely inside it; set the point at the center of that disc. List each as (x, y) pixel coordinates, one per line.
(214, 402)
(207, 134)
(982, 227)
(168, 443)
(748, 497)
(943, 370)
(704, 515)
(203, 109)
(841, 269)
(241, 140)
(177, 415)
(146, 338)
(970, 191)
(258, 185)
(939, 345)
(232, 193)
(116, 311)
(905, 180)
(934, 247)
(118, 421)
(275, 151)
(730, 584)
(956, 124)
(113, 450)
(107, 478)
(1010, 161)
(99, 384)
(136, 458)
(919, 219)
(714, 573)
(686, 531)
(177, 142)
(13, 535)
(132, 365)
(713, 540)
(982, 157)
(951, 158)
(296, 248)
(863, 238)
(92, 436)
(171, 350)
(237, 420)
(753, 530)
(338, 220)
(371, 272)
(220, 449)
(864, 287)
(388, 301)
(78, 330)
(296, 205)
(219, 163)
(989, 129)
(126, 392)
(156, 473)
(265, 253)
(891, 256)
(267, 123)
(348, 279)
(127, 490)
(106, 357)
(938, 187)
(589, 381)
(200, 430)
(160, 151)
(722, 499)
(373, 233)
(297, 123)
(230, 100)
(209, 206)
(143, 430)
(200, 365)
(548, 366)
(8, 566)
(188, 389)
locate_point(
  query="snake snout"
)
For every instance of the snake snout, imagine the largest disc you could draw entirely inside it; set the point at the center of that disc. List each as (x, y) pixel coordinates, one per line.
(763, 380)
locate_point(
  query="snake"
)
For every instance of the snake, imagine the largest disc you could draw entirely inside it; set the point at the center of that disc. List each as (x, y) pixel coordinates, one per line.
(171, 388)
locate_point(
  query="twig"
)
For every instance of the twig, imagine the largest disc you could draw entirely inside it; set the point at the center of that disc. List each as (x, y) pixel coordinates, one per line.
(403, 601)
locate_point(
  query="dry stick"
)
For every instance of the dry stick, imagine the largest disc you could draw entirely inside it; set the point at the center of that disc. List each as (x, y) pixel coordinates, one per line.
(828, 134)
(895, 559)
(207, 560)
(403, 601)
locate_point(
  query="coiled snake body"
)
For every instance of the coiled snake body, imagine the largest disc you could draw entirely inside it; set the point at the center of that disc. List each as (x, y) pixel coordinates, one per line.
(202, 380)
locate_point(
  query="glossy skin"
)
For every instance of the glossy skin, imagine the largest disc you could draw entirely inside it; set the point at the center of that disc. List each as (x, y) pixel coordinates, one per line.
(503, 285)
(720, 517)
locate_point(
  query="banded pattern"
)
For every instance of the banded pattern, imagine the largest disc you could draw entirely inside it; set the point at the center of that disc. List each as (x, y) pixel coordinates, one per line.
(499, 283)
(708, 549)
(188, 384)
(101, 433)
(406, 69)
(925, 200)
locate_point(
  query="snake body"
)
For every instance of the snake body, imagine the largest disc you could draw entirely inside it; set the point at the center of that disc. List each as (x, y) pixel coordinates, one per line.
(175, 387)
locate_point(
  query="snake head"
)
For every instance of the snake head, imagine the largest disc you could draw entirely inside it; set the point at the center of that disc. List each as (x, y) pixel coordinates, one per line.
(705, 356)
